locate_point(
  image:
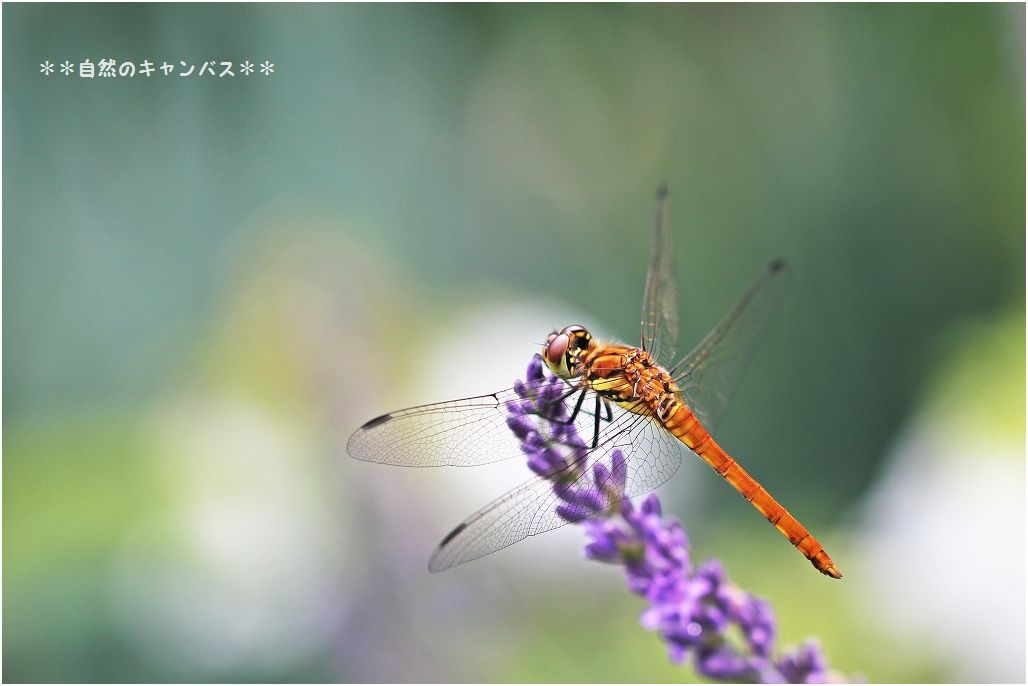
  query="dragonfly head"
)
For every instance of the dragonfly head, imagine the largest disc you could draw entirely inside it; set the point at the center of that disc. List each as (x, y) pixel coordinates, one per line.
(564, 349)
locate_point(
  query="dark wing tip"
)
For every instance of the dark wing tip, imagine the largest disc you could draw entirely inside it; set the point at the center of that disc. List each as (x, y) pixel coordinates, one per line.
(376, 421)
(435, 564)
(450, 536)
(777, 265)
(356, 446)
(661, 191)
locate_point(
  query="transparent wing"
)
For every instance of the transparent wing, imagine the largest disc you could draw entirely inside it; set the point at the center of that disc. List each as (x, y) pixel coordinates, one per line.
(652, 455)
(710, 374)
(463, 433)
(660, 301)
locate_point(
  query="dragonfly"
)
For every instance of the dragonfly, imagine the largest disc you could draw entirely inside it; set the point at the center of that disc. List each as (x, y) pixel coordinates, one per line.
(642, 401)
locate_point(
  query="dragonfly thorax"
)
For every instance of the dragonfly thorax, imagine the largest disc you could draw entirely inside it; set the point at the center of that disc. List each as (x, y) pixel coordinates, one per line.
(631, 378)
(564, 349)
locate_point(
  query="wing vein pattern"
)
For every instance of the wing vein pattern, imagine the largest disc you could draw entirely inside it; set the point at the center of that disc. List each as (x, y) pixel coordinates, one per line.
(653, 455)
(660, 299)
(710, 374)
(463, 433)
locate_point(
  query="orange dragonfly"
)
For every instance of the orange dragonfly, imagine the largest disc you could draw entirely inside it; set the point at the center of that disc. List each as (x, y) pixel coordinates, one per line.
(646, 405)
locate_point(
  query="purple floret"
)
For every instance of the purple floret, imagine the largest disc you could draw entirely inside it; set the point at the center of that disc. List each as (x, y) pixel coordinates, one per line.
(693, 607)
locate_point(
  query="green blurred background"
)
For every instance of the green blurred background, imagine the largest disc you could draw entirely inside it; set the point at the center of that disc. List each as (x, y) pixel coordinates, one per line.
(209, 283)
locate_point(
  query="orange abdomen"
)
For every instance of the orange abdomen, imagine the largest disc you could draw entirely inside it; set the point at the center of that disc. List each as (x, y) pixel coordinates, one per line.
(680, 421)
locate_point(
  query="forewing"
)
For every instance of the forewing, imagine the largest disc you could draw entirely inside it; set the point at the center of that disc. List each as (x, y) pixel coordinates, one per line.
(463, 433)
(652, 455)
(710, 374)
(660, 300)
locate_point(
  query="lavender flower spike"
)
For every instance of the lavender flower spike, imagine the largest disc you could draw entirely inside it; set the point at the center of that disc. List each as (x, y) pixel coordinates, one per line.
(693, 607)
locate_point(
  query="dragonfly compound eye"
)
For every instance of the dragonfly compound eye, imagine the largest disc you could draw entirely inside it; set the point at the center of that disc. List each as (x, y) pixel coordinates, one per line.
(556, 347)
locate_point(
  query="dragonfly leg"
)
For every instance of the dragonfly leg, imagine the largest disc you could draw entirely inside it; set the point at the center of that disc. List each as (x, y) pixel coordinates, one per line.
(596, 423)
(578, 406)
(565, 396)
(609, 417)
(561, 398)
